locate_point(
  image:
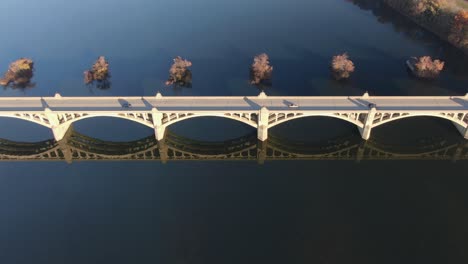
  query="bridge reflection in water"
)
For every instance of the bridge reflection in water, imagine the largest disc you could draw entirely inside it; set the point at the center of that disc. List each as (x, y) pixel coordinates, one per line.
(78, 147)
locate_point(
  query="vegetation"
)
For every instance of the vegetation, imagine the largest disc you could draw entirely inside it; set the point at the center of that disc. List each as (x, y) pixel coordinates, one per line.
(425, 67)
(99, 73)
(19, 74)
(179, 74)
(261, 71)
(427, 7)
(341, 66)
(459, 31)
(446, 18)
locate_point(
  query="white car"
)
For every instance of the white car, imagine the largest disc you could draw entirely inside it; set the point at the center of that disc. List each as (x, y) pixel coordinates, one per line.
(292, 105)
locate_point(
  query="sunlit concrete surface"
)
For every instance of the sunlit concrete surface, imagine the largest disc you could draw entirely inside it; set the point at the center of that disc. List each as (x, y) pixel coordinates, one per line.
(262, 111)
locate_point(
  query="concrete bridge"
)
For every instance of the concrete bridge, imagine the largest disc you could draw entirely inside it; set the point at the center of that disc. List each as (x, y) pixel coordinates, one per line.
(261, 112)
(78, 147)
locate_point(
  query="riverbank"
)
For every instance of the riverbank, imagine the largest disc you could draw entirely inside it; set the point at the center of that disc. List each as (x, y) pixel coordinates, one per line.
(446, 18)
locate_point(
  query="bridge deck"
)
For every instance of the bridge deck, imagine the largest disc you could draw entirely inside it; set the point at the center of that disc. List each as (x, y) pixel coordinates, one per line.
(237, 104)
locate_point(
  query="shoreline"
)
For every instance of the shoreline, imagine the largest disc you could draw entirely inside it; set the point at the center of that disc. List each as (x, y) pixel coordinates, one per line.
(439, 24)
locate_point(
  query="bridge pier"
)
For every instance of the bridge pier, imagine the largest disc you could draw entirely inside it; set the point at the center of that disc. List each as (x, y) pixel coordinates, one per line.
(360, 151)
(64, 147)
(163, 151)
(261, 151)
(159, 132)
(60, 131)
(262, 127)
(159, 128)
(366, 129)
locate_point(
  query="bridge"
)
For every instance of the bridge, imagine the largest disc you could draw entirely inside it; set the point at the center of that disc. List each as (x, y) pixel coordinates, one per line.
(77, 147)
(261, 112)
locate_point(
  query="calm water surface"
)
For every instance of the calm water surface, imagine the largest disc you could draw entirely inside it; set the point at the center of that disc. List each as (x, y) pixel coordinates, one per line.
(294, 211)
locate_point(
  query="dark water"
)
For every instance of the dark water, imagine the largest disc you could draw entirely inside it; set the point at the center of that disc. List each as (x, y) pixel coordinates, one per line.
(381, 209)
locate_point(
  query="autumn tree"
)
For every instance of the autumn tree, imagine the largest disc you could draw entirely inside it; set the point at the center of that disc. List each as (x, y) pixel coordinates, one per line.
(459, 30)
(179, 74)
(261, 70)
(428, 7)
(99, 73)
(19, 74)
(425, 67)
(342, 66)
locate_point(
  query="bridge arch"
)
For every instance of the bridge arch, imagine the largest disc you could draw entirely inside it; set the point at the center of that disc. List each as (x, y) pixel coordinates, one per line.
(239, 118)
(447, 117)
(355, 122)
(142, 121)
(29, 119)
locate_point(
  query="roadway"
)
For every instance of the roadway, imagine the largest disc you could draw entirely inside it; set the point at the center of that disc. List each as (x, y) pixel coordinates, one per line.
(239, 104)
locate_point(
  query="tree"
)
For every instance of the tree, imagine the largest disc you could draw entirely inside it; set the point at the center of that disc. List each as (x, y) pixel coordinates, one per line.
(99, 72)
(179, 74)
(261, 71)
(428, 7)
(459, 31)
(341, 66)
(425, 67)
(19, 74)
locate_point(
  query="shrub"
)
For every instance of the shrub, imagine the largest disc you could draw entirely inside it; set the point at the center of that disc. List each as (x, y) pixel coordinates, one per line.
(19, 74)
(428, 7)
(179, 74)
(260, 71)
(341, 66)
(425, 67)
(99, 73)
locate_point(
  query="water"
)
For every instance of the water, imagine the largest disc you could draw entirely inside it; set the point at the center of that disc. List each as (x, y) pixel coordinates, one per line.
(376, 210)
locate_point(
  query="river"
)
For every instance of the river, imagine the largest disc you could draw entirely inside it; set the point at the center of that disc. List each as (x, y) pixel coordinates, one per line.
(387, 206)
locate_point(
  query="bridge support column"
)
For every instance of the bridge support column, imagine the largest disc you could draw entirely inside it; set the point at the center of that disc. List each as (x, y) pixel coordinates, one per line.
(261, 151)
(262, 128)
(59, 130)
(65, 148)
(360, 151)
(463, 130)
(366, 130)
(459, 151)
(159, 128)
